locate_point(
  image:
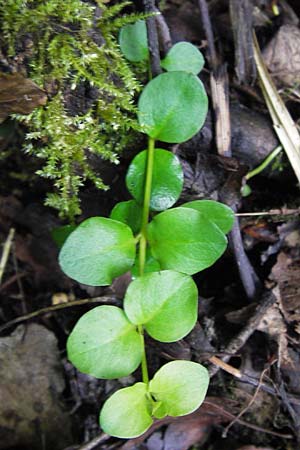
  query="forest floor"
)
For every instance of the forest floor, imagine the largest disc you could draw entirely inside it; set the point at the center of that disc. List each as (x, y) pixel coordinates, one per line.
(248, 331)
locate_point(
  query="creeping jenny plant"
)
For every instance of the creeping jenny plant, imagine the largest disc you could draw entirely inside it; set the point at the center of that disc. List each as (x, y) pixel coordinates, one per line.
(108, 342)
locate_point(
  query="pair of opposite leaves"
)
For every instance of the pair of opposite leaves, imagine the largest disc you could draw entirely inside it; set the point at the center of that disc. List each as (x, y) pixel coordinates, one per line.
(105, 341)
(178, 388)
(186, 239)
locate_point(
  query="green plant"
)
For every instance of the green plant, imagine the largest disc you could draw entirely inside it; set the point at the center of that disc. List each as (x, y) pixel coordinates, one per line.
(246, 189)
(71, 50)
(162, 300)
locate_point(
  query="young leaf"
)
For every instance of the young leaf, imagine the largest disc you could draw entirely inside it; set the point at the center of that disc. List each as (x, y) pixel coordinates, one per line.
(105, 344)
(172, 107)
(164, 302)
(185, 240)
(133, 41)
(218, 213)
(180, 386)
(97, 251)
(183, 56)
(60, 234)
(129, 213)
(126, 414)
(167, 179)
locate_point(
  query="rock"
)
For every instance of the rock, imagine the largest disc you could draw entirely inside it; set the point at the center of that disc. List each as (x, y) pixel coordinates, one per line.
(31, 412)
(253, 137)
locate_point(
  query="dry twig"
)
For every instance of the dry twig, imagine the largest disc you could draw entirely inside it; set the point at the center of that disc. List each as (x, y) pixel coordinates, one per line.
(153, 44)
(6, 252)
(268, 299)
(54, 308)
(96, 441)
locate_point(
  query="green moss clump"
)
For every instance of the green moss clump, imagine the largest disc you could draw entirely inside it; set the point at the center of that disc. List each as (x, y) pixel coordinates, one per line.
(72, 51)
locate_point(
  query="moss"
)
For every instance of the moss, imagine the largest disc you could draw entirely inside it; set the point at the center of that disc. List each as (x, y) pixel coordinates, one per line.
(70, 48)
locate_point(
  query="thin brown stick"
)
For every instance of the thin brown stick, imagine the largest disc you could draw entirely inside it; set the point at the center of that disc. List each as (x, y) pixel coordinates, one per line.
(149, 6)
(272, 212)
(103, 437)
(12, 280)
(243, 378)
(227, 367)
(206, 22)
(54, 308)
(19, 282)
(163, 32)
(247, 424)
(268, 299)
(247, 274)
(244, 410)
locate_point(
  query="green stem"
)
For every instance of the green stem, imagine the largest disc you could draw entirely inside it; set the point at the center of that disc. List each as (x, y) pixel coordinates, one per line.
(264, 164)
(146, 205)
(144, 358)
(143, 239)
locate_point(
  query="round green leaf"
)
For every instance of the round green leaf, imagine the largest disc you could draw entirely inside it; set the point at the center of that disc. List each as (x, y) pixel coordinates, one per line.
(180, 386)
(133, 41)
(185, 240)
(173, 106)
(105, 344)
(126, 414)
(218, 213)
(97, 251)
(164, 302)
(167, 179)
(129, 213)
(183, 56)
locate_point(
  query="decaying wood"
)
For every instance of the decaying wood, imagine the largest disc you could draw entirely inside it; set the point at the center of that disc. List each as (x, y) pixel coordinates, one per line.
(220, 99)
(149, 6)
(242, 22)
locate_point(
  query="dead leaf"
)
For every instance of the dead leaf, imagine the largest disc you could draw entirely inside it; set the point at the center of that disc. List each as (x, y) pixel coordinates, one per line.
(19, 95)
(286, 273)
(282, 55)
(182, 435)
(61, 297)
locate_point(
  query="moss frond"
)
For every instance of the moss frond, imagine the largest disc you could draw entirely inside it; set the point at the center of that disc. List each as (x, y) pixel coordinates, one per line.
(77, 50)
